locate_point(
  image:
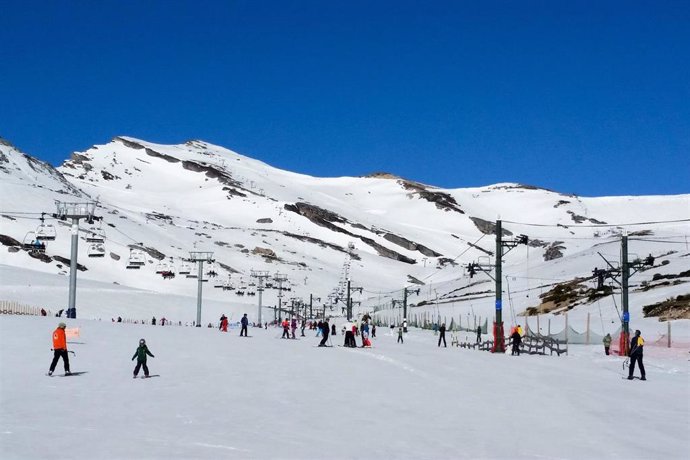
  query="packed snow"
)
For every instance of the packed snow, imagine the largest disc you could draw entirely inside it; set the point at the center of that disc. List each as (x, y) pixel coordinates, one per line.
(222, 396)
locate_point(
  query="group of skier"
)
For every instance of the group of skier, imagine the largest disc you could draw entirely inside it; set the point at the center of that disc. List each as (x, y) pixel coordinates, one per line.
(60, 351)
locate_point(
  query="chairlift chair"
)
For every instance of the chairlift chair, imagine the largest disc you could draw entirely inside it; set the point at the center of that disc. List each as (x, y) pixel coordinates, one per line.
(193, 272)
(185, 268)
(95, 235)
(45, 232)
(136, 259)
(33, 244)
(96, 250)
(161, 267)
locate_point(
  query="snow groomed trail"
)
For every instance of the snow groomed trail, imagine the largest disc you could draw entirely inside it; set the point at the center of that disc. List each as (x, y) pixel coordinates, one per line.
(222, 396)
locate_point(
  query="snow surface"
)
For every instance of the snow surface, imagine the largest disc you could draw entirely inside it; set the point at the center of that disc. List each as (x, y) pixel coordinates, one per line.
(222, 396)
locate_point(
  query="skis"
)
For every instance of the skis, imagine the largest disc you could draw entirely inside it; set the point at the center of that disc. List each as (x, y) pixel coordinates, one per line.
(71, 374)
(148, 377)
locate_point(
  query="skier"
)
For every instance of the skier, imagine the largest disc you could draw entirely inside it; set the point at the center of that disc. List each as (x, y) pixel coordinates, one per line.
(607, 343)
(223, 323)
(319, 328)
(333, 332)
(636, 350)
(479, 334)
(286, 329)
(245, 322)
(366, 343)
(517, 340)
(59, 349)
(350, 335)
(373, 330)
(153, 321)
(293, 327)
(140, 354)
(400, 334)
(442, 335)
(304, 326)
(325, 328)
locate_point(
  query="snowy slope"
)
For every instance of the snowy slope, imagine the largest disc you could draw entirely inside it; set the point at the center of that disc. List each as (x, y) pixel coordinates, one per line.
(222, 396)
(171, 199)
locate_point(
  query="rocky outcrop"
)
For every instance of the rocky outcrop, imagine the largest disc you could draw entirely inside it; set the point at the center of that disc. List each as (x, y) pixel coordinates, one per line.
(488, 228)
(553, 251)
(411, 245)
(265, 220)
(9, 241)
(442, 200)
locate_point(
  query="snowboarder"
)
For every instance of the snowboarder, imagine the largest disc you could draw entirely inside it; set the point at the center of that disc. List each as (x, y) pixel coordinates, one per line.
(400, 334)
(245, 322)
(59, 349)
(286, 329)
(636, 350)
(517, 340)
(479, 334)
(325, 328)
(442, 335)
(140, 355)
(223, 323)
(607, 343)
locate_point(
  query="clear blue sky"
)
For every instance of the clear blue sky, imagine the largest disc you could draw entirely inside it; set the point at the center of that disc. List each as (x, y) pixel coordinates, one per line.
(588, 97)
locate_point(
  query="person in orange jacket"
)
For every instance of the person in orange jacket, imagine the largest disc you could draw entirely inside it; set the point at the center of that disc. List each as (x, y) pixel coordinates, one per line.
(60, 349)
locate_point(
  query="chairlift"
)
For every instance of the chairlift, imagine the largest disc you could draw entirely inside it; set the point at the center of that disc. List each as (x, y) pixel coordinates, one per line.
(168, 274)
(32, 244)
(96, 250)
(161, 267)
(95, 235)
(212, 271)
(193, 273)
(185, 268)
(136, 259)
(45, 232)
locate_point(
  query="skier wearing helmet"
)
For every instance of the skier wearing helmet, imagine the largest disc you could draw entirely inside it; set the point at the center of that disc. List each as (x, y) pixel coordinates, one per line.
(140, 354)
(59, 349)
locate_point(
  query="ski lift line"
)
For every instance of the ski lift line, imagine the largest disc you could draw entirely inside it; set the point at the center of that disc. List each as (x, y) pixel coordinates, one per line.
(657, 241)
(631, 224)
(469, 246)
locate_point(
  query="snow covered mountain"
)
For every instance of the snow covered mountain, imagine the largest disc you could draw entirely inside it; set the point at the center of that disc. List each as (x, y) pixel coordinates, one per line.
(381, 231)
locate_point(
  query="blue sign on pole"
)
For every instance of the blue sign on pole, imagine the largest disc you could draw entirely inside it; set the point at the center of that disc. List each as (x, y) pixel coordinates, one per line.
(499, 305)
(626, 316)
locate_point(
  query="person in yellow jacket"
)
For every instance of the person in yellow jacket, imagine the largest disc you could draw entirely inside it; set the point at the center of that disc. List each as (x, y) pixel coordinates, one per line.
(520, 331)
(636, 349)
(59, 349)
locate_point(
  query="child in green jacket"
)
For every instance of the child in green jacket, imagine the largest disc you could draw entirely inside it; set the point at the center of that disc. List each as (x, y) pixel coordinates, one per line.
(140, 354)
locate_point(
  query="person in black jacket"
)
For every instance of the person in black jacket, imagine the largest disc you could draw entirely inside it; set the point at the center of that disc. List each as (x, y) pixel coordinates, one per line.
(325, 329)
(442, 335)
(479, 334)
(636, 349)
(245, 322)
(140, 355)
(517, 340)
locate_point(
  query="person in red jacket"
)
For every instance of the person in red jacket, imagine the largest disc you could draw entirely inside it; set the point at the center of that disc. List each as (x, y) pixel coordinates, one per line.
(59, 349)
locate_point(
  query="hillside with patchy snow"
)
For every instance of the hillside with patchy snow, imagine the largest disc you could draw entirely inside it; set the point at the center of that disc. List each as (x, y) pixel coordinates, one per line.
(382, 231)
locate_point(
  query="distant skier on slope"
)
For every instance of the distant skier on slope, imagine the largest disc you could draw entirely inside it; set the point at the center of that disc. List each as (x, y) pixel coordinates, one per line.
(223, 323)
(333, 331)
(59, 349)
(293, 327)
(244, 321)
(636, 350)
(400, 334)
(479, 334)
(286, 329)
(140, 355)
(517, 340)
(442, 335)
(325, 329)
(607, 343)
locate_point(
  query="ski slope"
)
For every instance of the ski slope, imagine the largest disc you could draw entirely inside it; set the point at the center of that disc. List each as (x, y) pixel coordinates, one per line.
(222, 396)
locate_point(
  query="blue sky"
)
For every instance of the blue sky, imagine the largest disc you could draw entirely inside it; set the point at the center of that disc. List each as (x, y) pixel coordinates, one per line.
(581, 97)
